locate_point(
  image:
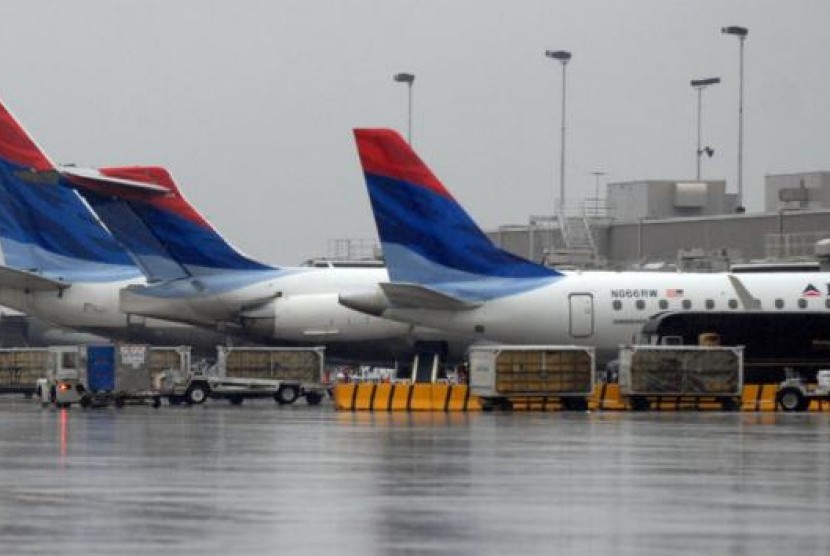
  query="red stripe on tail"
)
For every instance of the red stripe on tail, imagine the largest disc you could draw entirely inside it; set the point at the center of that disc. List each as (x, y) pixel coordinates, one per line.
(385, 153)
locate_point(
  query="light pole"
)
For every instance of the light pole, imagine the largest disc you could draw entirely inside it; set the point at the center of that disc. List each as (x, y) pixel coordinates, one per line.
(409, 79)
(563, 56)
(701, 84)
(741, 33)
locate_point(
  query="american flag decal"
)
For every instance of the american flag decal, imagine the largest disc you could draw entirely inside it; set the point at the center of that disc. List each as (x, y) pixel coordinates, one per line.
(674, 293)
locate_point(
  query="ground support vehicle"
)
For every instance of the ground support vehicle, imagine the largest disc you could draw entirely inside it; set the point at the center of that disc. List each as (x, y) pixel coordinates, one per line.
(649, 373)
(796, 395)
(503, 374)
(298, 371)
(196, 386)
(63, 383)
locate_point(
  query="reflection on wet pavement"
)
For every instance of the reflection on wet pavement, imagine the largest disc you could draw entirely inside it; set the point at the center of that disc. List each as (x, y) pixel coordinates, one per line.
(263, 479)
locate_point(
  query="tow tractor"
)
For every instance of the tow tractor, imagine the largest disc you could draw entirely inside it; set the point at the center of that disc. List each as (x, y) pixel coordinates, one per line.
(795, 395)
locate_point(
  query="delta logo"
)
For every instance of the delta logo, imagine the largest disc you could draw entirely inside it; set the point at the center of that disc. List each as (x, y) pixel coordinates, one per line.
(811, 291)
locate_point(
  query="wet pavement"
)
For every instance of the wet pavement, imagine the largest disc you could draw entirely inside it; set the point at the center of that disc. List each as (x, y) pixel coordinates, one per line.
(263, 479)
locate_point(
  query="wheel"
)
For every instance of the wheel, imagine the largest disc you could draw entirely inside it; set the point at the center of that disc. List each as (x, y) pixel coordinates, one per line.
(118, 402)
(792, 399)
(313, 398)
(575, 404)
(287, 394)
(236, 400)
(639, 403)
(156, 402)
(197, 393)
(730, 404)
(85, 401)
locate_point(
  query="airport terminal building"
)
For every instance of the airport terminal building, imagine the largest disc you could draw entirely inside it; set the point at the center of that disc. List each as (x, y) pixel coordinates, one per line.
(686, 225)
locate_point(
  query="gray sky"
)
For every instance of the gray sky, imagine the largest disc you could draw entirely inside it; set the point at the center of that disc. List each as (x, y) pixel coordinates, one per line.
(251, 103)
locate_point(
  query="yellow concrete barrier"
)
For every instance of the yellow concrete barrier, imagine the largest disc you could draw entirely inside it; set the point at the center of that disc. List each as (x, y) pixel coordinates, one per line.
(457, 397)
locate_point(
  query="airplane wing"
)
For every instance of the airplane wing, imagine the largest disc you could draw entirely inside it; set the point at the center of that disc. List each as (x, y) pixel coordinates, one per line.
(14, 279)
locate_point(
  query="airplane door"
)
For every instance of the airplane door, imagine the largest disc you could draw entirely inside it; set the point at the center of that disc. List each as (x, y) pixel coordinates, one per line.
(582, 314)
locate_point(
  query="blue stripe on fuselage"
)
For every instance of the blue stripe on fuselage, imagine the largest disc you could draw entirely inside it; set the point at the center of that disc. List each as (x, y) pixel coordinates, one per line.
(438, 230)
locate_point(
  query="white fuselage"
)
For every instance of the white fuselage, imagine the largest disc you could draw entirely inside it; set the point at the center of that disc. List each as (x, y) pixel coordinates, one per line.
(606, 309)
(298, 307)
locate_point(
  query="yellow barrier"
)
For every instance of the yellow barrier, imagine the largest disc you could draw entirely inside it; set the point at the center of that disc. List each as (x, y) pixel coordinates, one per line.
(457, 397)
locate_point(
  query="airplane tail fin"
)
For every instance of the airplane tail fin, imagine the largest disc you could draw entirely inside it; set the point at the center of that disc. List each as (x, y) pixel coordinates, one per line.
(46, 227)
(427, 236)
(145, 210)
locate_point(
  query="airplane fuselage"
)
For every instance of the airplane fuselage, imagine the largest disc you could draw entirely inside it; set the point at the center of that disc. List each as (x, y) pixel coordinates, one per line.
(606, 309)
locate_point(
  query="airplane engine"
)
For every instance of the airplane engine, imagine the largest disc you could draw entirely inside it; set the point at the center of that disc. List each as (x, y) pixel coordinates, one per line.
(316, 318)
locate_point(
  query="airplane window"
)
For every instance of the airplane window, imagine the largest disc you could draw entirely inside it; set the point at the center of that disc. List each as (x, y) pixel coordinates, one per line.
(664, 304)
(710, 304)
(687, 304)
(640, 304)
(779, 303)
(617, 305)
(802, 303)
(733, 303)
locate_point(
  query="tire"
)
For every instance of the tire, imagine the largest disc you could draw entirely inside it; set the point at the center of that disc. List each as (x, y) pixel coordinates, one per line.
(85, 401)
(287, 394)
(236, 400)
(313, 398)
(197, 393)
(575, 404)
(639, 403)
(792, 399)
(730, 404)
(156, 402)
(118, 402)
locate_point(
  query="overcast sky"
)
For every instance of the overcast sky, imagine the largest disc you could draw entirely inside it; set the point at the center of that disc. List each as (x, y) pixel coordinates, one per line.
(251, 103)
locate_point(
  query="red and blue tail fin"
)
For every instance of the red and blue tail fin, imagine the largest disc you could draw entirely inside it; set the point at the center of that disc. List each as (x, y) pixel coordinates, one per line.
(165, 234)
(44, 225)
(427, 236)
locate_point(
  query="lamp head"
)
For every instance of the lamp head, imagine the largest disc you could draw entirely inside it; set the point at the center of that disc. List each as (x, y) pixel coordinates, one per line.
(739, 32)
(404, 78)
(561, 55)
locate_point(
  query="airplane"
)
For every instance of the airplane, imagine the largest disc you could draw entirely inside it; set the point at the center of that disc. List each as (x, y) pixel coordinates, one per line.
(446, 273)
(58, 263)
(119, 251)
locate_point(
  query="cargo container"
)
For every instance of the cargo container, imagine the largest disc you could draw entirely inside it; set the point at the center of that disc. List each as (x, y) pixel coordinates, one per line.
(648, 373)
(298, 370)
(501, 374)
(20, 369)
(130, 373)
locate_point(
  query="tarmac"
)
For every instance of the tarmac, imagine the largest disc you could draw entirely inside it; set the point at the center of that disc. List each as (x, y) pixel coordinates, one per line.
(265, 479)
